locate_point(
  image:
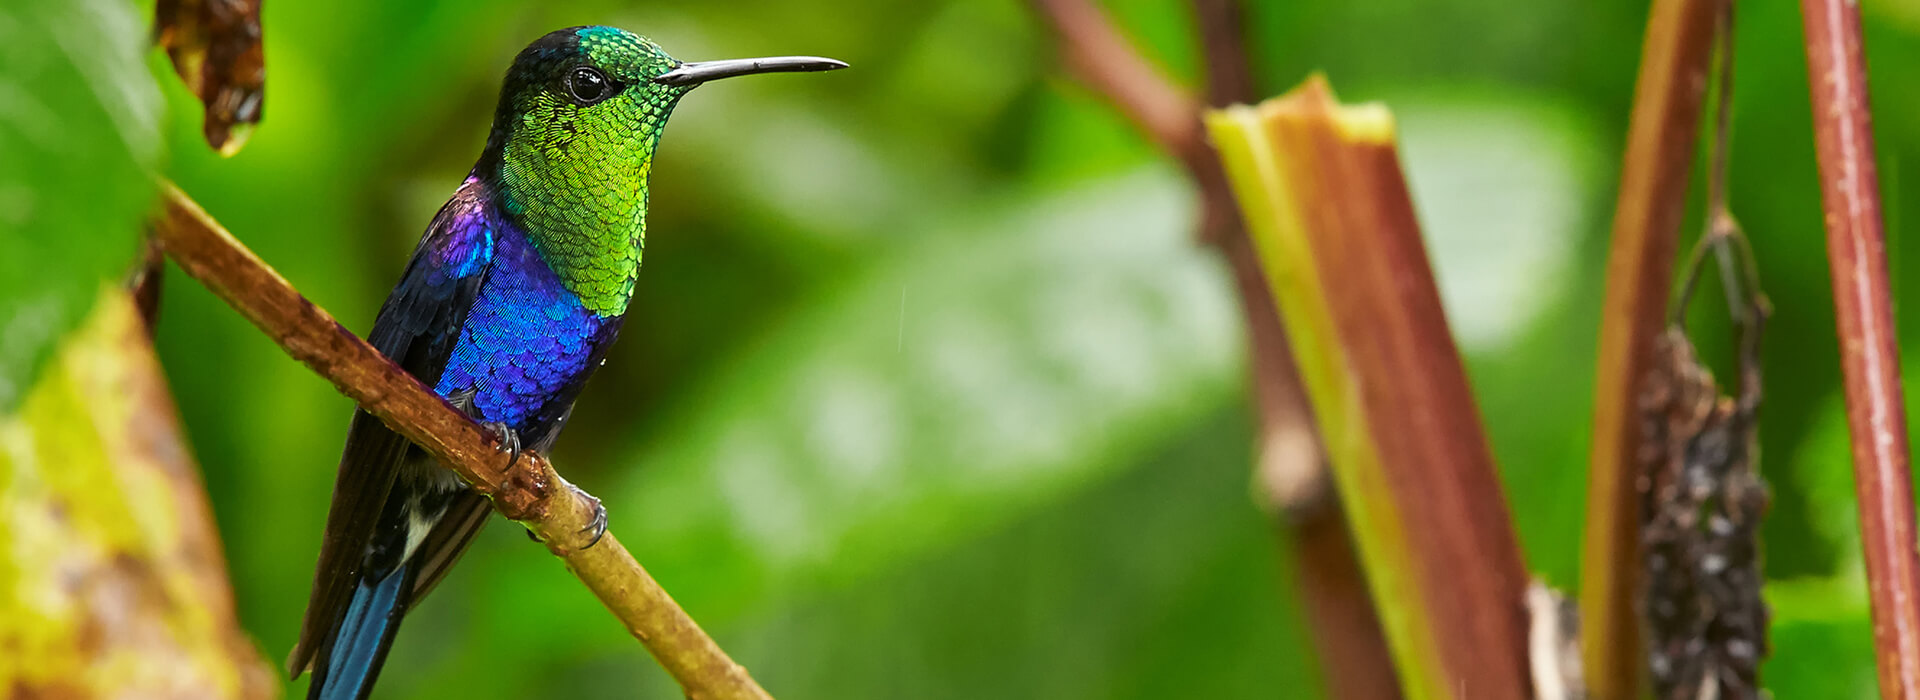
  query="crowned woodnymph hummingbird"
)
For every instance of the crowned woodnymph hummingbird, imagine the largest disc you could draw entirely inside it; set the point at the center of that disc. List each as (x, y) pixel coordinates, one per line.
(510, 301)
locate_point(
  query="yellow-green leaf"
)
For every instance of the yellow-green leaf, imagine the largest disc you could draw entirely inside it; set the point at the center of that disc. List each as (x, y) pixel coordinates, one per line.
(112, 581)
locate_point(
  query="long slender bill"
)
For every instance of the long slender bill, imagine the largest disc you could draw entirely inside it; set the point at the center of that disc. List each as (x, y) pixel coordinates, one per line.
(697, 72)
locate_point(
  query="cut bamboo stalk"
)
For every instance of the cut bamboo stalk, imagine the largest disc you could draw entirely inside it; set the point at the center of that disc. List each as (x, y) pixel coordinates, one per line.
(1322, 192)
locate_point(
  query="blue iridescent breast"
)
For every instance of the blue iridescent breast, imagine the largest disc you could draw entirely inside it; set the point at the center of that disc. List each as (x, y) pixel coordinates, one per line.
(527, 344)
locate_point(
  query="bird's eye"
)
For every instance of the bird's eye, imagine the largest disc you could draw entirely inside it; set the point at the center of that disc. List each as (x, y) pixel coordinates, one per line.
(588, 85)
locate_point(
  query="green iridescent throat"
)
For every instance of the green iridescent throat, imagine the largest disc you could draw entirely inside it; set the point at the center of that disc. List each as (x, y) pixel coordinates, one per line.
(575, 177)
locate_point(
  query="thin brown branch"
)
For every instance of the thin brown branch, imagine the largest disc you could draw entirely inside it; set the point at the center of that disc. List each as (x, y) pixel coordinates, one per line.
(527, 490)
(1223, 40)
(1869, 347)
(1646, 229)
(1290, 468)
(1355, 662)
(1100, 56)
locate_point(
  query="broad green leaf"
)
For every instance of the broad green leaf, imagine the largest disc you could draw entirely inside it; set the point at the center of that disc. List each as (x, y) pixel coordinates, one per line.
(78, 136)
(964, 381)
(1167, 593)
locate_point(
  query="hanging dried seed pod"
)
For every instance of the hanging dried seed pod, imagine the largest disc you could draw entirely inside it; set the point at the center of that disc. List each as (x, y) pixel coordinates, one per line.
(1701, 494)
(1702, 500)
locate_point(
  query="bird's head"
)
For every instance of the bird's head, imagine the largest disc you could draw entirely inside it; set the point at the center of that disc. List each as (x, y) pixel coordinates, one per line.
(572, 147)
(597, 97)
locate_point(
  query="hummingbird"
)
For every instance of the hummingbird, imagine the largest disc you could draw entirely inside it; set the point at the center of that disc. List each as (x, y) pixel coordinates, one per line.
(510, 301)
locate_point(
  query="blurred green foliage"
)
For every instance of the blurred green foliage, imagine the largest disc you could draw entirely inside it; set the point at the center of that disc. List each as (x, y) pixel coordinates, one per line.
(926, 391)
(79, 131)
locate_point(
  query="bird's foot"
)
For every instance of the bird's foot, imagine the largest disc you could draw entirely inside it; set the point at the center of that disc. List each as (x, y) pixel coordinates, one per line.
(597, 526)
(505, 440)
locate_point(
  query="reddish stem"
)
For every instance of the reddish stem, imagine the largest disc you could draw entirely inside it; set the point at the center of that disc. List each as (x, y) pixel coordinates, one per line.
(1646, 228)
(1354, 659)
(1869, 347)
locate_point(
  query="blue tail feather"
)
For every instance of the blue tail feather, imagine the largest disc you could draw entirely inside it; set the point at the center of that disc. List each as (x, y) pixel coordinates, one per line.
(365, 635)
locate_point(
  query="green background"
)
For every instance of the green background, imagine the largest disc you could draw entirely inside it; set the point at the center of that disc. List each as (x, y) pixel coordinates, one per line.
(926, 390)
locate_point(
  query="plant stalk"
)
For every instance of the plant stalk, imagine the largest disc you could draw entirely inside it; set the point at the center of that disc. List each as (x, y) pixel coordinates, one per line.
(1869, 346)
(1654, 173)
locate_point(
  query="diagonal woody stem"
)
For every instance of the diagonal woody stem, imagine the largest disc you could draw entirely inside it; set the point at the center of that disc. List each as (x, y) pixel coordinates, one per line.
(526, 490)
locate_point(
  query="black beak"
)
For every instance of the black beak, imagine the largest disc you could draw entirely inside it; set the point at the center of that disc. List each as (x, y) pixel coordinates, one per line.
(697, 72)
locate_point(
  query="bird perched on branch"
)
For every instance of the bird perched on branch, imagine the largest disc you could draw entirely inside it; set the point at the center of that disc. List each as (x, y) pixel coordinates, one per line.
(512, 298)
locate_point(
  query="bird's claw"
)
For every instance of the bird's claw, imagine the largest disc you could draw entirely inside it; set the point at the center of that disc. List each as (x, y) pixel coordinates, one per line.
(506, 440)
(597, 526)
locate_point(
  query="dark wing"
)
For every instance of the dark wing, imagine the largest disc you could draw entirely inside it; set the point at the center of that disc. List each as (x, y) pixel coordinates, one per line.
(417, 329)
(448, 539)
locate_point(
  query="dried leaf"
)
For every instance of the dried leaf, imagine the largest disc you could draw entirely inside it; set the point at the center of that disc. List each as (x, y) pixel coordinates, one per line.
(112, 582)
(215, 46)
